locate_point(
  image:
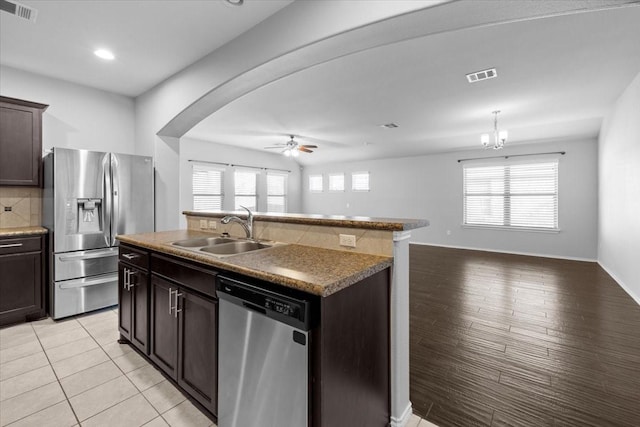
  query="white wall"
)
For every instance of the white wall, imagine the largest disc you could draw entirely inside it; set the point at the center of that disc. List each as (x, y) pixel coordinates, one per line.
(619, 191)
(430, 187)
(193, 149)
(78, 116)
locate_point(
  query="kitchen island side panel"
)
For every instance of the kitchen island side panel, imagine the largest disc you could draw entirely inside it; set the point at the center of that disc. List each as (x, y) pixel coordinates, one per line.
(351, 369)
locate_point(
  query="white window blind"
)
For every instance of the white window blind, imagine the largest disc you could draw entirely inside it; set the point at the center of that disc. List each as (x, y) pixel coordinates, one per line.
(360, 181)
(315, 183)
(245, 187)
(513, 195)
(276, 192)
(207, 188)
(336, 182)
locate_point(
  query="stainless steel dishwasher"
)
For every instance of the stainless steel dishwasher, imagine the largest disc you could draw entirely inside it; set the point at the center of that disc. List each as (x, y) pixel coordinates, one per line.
(263, 357)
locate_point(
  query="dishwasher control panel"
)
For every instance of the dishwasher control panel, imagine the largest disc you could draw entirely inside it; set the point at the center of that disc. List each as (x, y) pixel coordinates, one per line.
(287, 309)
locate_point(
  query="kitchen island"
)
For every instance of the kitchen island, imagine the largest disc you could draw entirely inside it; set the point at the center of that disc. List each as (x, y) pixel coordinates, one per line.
(354, 376)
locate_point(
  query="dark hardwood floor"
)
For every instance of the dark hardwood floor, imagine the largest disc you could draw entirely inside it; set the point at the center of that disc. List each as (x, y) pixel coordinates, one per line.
(510, 340)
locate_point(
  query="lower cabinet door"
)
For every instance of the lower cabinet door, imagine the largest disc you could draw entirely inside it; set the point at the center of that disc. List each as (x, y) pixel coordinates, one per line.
(197, 365)
(164, 326)
(124, 303)
(20, 286)
(139, 317)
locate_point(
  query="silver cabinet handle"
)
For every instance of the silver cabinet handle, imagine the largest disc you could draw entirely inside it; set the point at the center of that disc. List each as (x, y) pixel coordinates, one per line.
(176, 311)
(126, 279)
(130, 256)
(11, 245)
(170, 294)
(132, 273)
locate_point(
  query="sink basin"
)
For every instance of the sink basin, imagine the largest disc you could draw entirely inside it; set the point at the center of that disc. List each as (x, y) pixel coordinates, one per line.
(203, 241)
(234, 247)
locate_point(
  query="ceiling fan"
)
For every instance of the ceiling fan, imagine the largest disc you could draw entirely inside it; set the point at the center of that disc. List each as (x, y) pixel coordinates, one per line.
(291, 148)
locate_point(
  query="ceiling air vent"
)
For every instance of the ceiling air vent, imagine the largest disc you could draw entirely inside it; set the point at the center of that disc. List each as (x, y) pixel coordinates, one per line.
(482, 75)
(19, 10)
(389, 126)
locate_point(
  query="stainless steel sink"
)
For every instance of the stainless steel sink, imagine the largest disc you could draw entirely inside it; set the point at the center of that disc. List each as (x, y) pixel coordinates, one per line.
(236, 247)
(203, 241)
(222, 246)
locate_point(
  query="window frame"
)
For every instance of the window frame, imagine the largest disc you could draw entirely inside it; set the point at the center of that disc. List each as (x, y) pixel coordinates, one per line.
(284, 195)
(221, 195)
(508, 214)
(255, 195)
(335, 175)
(321, 178)
(357, 190)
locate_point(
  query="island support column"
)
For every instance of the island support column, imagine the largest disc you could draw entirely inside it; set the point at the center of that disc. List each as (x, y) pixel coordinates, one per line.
(400, 403)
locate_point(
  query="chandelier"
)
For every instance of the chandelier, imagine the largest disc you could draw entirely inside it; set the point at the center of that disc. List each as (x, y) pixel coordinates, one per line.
(499, 137)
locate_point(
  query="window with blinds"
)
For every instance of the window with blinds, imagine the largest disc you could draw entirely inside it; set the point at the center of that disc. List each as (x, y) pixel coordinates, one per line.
(245, 188)
(360, 181)
(514, 195)
(315, 183)
(276, 192)
(207, 188)
(336, 182)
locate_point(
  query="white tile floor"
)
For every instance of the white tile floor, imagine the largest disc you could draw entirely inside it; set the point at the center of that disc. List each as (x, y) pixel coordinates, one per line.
(73, 372)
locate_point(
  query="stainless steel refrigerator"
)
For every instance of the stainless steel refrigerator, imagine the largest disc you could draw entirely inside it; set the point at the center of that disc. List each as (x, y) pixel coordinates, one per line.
(90, 197)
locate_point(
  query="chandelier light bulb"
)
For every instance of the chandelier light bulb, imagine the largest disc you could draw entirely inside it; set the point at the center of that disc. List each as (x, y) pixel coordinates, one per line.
(499, 136)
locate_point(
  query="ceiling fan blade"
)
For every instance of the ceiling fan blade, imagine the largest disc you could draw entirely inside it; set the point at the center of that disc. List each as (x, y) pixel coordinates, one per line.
(309, 146)
(302, 148)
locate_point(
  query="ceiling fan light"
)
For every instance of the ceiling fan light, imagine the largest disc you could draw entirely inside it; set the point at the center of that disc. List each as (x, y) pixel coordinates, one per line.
(295, 153)
(287, 153)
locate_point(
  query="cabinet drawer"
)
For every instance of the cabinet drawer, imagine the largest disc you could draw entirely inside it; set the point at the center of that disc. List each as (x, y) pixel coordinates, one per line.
(18, 245)
(190, 276)
(133, 256)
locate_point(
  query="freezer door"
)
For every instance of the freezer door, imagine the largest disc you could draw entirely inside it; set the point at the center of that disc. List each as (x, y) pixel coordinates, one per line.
(71, 265)
(85, 294)
(133, 203)
(81, 201)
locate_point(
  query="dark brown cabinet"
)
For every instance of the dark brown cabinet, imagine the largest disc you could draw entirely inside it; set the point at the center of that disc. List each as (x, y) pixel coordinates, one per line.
(21, 279)
(133, 297)
(20, 142)
(184, 327)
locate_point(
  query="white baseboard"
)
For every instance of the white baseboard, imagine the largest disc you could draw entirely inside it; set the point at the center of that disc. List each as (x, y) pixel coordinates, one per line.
(507, 252)
(403, 420)
(628, 290)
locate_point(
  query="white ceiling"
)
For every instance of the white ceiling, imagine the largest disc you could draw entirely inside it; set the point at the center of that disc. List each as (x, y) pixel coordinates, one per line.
(557, 76)
(152, 40)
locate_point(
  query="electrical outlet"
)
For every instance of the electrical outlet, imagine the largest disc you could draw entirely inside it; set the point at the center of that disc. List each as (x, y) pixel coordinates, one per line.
(348, 240)
(213, 225)
(203, 224)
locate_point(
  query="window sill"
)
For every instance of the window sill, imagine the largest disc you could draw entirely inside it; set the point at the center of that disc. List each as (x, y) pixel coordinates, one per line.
(502, 228)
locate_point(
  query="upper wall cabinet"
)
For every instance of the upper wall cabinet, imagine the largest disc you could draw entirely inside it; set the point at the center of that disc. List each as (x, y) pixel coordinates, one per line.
(20, 142)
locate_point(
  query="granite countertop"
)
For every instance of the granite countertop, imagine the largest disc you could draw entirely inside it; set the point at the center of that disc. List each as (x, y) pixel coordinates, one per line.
(314, 270)
(22, 231)
(365, 222)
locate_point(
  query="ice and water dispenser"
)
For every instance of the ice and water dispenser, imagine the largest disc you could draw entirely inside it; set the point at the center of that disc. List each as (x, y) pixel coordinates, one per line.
(84, 216)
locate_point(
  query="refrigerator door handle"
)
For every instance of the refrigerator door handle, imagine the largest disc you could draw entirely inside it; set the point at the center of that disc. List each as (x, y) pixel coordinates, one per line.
(93, 255)
(106, 188)
(83, 283)
(115, 210)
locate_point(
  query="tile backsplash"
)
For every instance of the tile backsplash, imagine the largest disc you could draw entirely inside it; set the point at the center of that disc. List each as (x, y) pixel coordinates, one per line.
(20, 207)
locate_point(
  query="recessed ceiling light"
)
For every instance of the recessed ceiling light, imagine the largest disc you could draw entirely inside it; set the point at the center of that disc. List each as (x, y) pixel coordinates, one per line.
(104, 54)
(235, 2)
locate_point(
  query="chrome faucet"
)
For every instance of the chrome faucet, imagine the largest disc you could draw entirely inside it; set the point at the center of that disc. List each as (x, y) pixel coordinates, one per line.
(247, 224)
